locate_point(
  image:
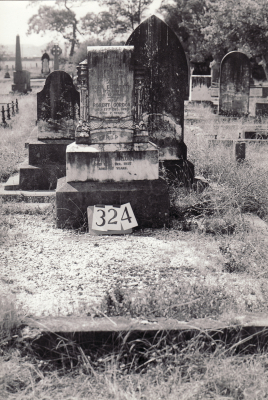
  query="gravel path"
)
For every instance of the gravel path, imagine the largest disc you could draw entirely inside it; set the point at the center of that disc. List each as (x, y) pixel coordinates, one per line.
(58, 272)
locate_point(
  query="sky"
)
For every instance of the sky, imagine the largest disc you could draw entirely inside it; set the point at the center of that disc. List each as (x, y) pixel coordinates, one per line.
(14, 16)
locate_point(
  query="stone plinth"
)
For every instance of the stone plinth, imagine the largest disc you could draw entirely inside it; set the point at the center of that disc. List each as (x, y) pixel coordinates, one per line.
(21, 81)
(111, 162)
(45, 165)
(149, 201)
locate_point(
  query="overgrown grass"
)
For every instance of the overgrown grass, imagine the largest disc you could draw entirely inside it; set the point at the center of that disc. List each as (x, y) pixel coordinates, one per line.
(15, 134)
(184, 366)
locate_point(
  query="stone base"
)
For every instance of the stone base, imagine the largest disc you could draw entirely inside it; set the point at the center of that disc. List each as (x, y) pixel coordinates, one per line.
(45, 165)
(181, 171)
(170, 148)
(48, 151)
(43, 177)
(21, 81)
(149, 201)
(111, 162)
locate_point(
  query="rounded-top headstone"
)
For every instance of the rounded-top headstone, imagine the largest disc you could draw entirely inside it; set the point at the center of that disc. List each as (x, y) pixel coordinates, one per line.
(161, 69)
(235, 75)
(45, 56)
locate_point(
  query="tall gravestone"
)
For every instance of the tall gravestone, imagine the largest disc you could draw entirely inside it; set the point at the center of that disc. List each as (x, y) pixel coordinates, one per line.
(234, 85)
(56, 52)
(161, 85)
(20, 76)
(57, 116)
(112, 160)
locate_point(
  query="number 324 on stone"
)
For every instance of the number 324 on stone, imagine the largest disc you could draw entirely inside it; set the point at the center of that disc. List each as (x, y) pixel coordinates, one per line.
(113, 218)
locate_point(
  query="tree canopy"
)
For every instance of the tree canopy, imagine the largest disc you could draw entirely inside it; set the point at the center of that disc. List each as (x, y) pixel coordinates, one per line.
(118, 17)
(205, 27)
(215, 27)
(58, 18)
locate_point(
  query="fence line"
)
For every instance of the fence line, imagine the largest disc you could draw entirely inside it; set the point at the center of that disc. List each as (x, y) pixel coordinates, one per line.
(11, 109)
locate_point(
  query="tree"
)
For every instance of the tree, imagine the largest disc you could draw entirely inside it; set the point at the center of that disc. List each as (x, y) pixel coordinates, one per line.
(187, 18)
(238, 25)
(57, 19)
(118, 17)
(212, 27)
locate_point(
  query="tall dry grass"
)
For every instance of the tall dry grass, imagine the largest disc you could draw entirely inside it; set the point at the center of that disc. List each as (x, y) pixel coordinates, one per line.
(194, 367)
(15, 134)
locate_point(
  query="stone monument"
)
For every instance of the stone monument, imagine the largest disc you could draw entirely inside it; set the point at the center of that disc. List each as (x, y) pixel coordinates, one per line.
(57, 116)
(21, 77)
(112, 161)
(45, 64)
(56, 52)
(234, 85)
(161, 86)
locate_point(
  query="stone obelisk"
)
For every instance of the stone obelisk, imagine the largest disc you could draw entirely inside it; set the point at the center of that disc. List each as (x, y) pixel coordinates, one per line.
(21, 77)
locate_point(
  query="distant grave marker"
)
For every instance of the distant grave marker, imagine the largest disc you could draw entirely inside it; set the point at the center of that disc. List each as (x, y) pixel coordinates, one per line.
(21, 77)
(56, 52)
(234, 85)
(45, 64)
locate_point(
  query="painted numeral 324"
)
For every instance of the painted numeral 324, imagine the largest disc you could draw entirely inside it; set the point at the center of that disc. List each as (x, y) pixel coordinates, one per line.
(113, 218)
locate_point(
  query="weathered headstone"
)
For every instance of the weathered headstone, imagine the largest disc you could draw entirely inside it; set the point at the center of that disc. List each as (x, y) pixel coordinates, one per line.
(57, 116)
(200, 88)
(161, 84)
(57, 107)
(21, 77)
(56, 52)
(45, 64)
(215, 72)
(234, 84)
(112, 160)
(7, 75)
(110, 125)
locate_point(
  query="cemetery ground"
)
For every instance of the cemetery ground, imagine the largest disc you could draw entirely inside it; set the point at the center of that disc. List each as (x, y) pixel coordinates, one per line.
(211, 262)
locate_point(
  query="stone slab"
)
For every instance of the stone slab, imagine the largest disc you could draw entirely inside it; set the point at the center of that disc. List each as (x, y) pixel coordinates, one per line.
(13, 183)
(111, 162)
(125, 324)
(42, 177)
(111, 134)
(149, 201)
(110, 333)
(43, 152)
(30, 196)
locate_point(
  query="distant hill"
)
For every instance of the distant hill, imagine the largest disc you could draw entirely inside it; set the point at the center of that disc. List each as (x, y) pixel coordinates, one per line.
(26, 50)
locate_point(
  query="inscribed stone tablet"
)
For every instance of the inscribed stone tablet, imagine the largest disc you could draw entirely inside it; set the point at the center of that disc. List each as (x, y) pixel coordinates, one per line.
(111, 79)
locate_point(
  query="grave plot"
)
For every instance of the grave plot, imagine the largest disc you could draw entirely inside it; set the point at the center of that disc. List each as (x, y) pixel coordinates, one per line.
(57, 117)
(112, 161)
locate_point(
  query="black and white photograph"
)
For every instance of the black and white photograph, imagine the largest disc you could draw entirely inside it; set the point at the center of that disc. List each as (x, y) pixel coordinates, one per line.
(134, 199)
